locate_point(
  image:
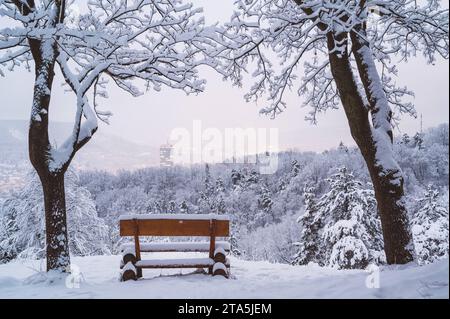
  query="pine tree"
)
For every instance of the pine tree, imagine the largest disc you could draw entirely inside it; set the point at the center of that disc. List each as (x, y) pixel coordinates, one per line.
(220, 187)
(418, 141)
(265, 203)
(172, 207)
(207, 178)
(406, 140)
(22, 223)
(252, 178)
(282, 185)
(234, 242)
(8, 229)
(236, 178)
(346, 224)
(207, 202)
(430, 228)
(342, 147)
(311, 222)
(219, 192)
(220, 207)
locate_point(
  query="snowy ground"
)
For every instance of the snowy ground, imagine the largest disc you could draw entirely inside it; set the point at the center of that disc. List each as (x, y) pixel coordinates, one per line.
(250, 280)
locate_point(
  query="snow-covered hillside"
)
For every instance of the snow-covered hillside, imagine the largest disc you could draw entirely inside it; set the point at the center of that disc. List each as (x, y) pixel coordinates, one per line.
(250, 280)
(112, 153)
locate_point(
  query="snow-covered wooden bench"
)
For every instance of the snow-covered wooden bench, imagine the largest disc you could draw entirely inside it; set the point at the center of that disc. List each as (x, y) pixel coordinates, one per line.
(210, 225)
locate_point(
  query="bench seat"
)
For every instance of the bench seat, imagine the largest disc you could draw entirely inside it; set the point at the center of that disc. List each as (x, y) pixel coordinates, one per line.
(175, 247)
(178, 263)
(179, 225)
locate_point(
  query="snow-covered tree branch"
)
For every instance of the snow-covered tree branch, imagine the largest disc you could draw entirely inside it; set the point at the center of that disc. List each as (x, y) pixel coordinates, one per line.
(292, 32)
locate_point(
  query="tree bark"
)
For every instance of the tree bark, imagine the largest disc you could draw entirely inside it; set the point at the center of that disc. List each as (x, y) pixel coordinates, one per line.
(56, 223)
(387, 181)
(39, 149)
(44, 51)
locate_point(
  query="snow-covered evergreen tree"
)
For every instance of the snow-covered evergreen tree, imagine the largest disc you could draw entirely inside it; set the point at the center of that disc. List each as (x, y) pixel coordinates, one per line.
(418, 140)
(311, 222)
(343, 148)
(22, 222)
(172, 207)
(346, 223)
(430, 228)
(405, 140)
(220, 207)
(207, 203)
(236, 178)
(252, 178)
(264, 215)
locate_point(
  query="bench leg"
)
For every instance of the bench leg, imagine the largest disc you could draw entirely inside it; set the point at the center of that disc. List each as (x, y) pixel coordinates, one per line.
(128, 272)
(128, 275)
(220, 269)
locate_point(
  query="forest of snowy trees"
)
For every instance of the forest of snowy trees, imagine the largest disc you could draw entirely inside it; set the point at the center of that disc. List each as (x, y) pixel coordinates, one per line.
(316, 208)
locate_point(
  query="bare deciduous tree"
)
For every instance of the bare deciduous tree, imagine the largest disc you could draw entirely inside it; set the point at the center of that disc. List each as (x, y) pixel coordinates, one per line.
(123, 41)
(350, 49)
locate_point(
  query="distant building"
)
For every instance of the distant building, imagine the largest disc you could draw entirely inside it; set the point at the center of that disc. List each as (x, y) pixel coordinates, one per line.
(165, 155)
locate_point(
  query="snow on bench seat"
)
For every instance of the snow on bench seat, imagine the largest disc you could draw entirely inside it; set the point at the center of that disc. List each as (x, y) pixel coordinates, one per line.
(176, 247)
(174, 216)
(177, 263)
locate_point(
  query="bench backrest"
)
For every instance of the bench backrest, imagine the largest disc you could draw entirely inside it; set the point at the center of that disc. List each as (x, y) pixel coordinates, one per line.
(152, 225)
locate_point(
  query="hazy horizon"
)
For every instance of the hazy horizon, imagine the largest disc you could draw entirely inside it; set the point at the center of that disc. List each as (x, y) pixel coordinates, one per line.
(150, 118)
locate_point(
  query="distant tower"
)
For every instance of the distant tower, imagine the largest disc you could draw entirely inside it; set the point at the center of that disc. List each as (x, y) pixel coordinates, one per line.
(165, 155)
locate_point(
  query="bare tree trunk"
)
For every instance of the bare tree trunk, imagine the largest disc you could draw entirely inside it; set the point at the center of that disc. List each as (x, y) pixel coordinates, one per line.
(39, 149)
(387, 179)
(56, 223)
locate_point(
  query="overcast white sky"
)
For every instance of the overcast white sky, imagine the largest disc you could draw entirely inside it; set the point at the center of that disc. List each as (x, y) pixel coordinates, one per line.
(149, 119)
